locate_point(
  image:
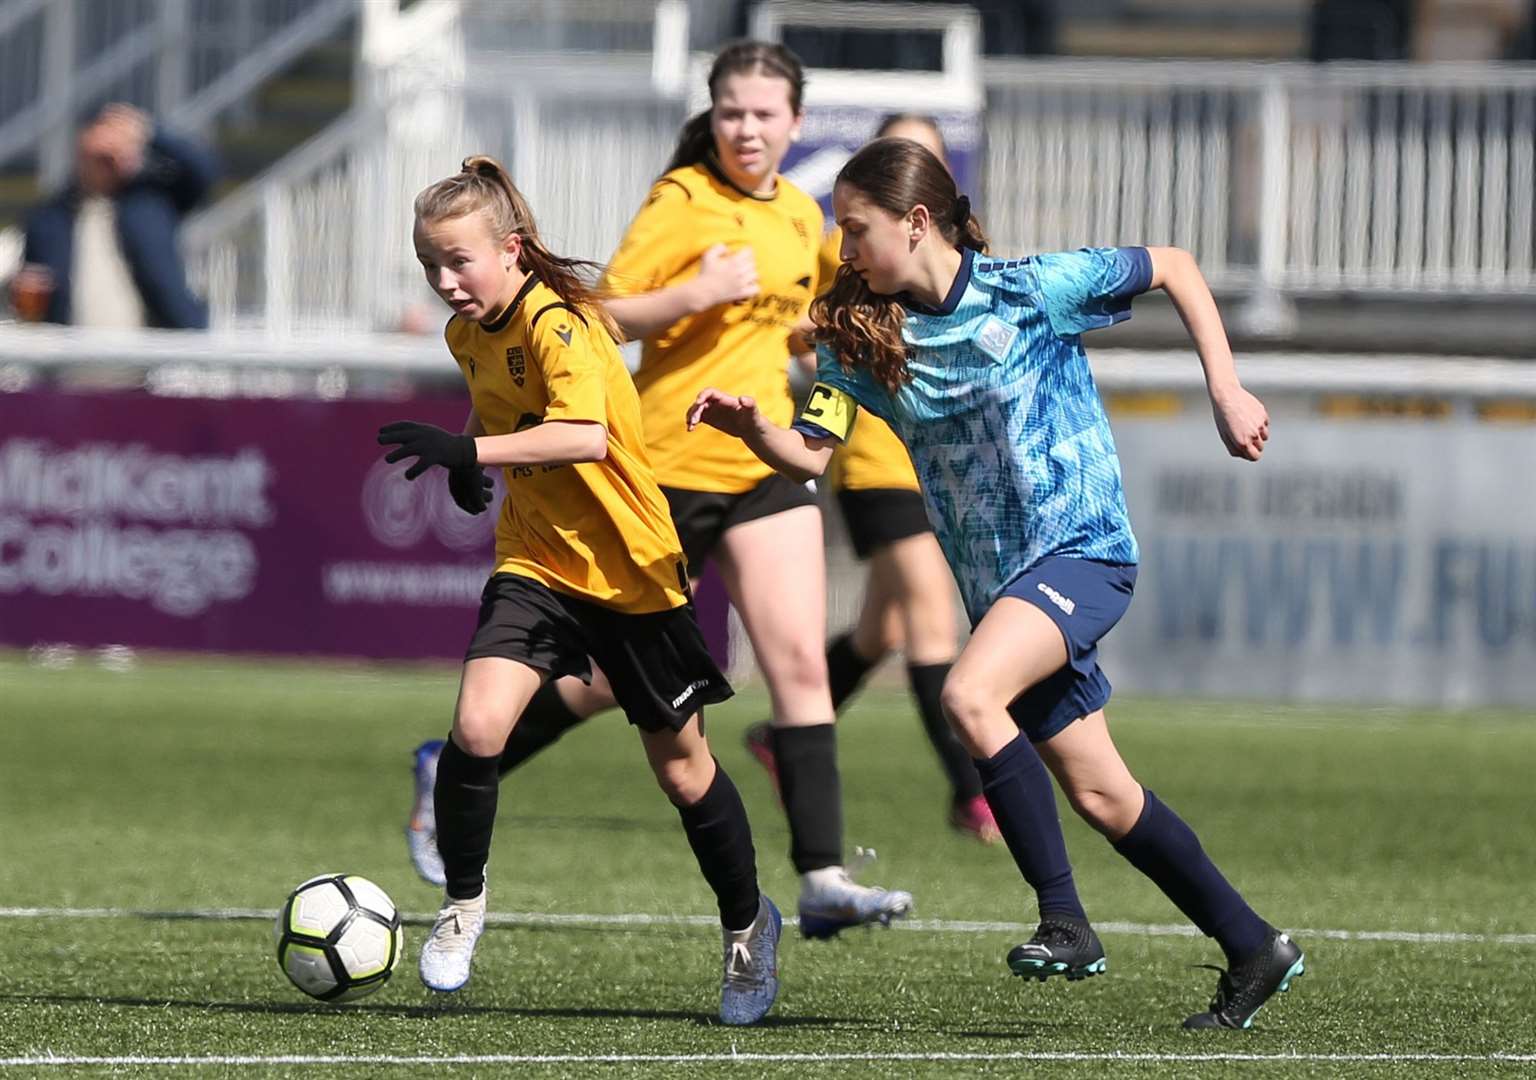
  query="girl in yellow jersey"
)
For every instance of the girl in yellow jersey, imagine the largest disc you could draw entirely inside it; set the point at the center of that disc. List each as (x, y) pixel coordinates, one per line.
(588, 564)
(909, 593)
(714, 275)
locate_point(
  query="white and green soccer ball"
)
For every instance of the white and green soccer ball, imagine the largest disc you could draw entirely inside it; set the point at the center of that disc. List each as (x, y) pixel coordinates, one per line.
(338, 937)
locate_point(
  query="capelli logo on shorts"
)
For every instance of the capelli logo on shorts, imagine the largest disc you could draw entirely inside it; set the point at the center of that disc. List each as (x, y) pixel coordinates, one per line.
(693, 688)
(1069, 606)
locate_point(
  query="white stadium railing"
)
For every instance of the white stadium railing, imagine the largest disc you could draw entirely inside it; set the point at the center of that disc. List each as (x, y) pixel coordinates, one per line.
(1284, 179)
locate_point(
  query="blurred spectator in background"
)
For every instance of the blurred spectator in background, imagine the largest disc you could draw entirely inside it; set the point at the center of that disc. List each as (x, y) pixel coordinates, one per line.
(103, 252)
(1361, 29)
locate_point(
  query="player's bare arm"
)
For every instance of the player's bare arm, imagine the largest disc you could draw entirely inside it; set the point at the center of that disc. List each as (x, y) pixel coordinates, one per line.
(798, 456)
(724, 277)
(1241, 418)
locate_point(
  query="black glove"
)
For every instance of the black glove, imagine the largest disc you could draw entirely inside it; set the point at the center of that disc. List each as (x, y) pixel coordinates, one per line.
(471, 489)
(428, 445)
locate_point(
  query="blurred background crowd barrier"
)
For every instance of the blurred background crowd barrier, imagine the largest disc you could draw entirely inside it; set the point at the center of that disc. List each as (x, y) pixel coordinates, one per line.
(1367, 223)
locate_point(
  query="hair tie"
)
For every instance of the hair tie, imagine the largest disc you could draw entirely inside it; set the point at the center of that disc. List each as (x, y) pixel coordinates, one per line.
(962, 210)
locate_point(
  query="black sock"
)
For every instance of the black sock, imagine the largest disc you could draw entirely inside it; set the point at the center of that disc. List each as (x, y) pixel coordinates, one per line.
(465, 802)
(721, 839)
(1019, 791)
(1167, 850)
(813, 797)
(927, 682)
(546, 718)
(846, 669)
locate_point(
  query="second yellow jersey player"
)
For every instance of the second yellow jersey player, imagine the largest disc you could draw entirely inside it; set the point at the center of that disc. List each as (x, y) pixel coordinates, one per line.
(745, 344)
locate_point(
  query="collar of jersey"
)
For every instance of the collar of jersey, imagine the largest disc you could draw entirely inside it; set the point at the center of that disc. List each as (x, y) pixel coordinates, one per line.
(499, 323)
(712, 165)
(951, 298)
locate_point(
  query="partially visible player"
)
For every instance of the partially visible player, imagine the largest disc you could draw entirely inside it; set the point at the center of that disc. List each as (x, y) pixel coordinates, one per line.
(587, 565)
(978, 364)
(715, 274)
(909, 593)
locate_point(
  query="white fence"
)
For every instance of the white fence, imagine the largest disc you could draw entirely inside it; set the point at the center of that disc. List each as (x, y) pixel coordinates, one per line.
(1284, 179)
(1288, 177)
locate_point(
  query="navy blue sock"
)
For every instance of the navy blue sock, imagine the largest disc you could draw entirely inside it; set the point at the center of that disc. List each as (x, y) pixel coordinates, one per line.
(1019, 791)
(1161, 846)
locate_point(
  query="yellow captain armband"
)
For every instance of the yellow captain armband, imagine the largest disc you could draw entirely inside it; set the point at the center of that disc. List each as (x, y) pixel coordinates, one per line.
(829, 409)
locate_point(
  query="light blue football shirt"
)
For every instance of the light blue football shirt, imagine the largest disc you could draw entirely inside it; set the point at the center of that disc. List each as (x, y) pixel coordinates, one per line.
(1001, 416)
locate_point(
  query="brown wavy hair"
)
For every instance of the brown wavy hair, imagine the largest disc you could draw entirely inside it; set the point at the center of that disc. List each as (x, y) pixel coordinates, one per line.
(697, 141)
(863, 327)
(484, 186)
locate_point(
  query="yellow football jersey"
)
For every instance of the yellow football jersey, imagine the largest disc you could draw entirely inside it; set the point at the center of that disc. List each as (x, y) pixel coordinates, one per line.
(596, 530)
(742, 348)
(874, 456)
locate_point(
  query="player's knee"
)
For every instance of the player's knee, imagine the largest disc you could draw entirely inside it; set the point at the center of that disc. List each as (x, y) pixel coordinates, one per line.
(684, 780)
(967, 706)
(480, 731)
(1109, 812)
(799, 666)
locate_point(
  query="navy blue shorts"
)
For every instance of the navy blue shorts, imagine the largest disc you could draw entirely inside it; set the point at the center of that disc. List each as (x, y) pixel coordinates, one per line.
(1084, 599)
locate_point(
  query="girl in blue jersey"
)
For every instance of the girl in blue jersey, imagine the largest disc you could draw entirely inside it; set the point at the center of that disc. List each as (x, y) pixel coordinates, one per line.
(978, 365)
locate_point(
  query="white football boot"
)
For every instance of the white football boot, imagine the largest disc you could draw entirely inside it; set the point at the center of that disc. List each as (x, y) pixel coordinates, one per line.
(451, 945)
(831, 902)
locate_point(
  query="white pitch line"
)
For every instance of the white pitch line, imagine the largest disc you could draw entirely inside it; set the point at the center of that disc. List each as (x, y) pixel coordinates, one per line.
(948, 926)
(754, 1059)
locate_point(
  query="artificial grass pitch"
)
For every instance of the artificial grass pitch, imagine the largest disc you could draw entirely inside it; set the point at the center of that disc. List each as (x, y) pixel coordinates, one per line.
(211, 788)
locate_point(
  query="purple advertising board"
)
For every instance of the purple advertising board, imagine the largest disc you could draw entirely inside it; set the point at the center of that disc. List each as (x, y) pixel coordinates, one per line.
(235, 526)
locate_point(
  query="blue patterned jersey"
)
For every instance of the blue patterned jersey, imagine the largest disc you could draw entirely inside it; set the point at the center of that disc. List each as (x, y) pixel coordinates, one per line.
(1001, 417)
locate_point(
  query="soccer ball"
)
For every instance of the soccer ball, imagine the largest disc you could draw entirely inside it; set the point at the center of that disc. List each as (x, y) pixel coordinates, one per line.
(338, 937)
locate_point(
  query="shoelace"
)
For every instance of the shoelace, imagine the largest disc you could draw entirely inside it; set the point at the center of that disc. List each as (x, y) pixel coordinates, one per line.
(862, 858)
(456, 940)
(738, 965)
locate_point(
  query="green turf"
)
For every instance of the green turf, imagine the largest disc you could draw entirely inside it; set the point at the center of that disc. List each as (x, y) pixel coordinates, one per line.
(190, 784)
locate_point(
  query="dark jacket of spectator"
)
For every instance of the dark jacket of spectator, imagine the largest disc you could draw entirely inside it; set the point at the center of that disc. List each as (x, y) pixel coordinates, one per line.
(176, 176)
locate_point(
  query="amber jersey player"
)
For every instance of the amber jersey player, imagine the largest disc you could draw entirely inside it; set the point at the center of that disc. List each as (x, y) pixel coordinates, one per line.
(714, 275)
(588, 566)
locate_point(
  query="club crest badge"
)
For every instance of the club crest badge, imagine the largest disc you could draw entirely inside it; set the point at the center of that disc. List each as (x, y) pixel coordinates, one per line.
(995, 338)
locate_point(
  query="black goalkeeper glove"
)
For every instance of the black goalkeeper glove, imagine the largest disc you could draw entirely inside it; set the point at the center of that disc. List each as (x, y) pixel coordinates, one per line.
(428, 445)
(471, 489)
